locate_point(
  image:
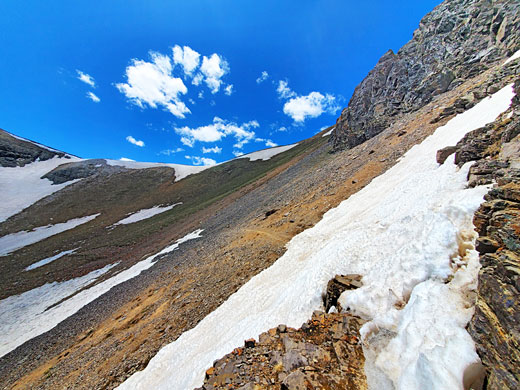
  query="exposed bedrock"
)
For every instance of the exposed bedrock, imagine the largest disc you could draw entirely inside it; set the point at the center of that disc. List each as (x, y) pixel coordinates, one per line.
(80, 170)
(15, 152)
(495, 326)
(456, 41)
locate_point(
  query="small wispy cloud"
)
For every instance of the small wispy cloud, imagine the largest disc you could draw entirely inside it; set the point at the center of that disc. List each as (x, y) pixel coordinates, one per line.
(92, 96)
(169, 152)
(125, 159)
(264, 76)
(215, 149)
(135, 142)
(228, 90)
(284, 92)
(86, 78)
(196, 160)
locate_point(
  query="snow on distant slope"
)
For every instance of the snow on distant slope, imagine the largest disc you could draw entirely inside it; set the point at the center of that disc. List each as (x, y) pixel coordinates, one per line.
(23, 186)
(512, 58)
(48, 260)
(15, 241)
(145, 214)
(28, 315)
(266, 154)
(328, 133)
(181, 171)
(402, 233)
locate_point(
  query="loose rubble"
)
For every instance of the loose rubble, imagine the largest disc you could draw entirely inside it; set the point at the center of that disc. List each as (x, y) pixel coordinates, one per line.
(325, 353)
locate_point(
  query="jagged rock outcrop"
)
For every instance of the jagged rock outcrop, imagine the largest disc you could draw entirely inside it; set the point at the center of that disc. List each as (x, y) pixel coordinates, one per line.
(456, 41)
(495, 326)
(15, 152)
(325, 353)
(80, 170)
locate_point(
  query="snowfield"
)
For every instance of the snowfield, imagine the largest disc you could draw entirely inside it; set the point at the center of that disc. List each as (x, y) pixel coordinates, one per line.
(15, 241)
(181, 171)
(145, 214)
(403, 232)
(22, 186)
(266, 154)
(27, 315)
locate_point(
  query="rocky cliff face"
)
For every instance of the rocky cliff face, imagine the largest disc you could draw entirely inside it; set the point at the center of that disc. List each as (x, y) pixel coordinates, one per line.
(496, 323)
(454, 42)
(17, 152)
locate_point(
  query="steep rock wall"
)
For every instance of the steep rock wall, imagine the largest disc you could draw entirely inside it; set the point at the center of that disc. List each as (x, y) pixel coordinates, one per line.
(454, 42)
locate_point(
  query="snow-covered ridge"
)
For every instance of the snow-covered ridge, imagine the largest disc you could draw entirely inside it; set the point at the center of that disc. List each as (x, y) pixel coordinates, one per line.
(23, 186)
(15, 241)
(402, 233)
(27, 315)
(181, 171)
(145, 214)
(266, 154)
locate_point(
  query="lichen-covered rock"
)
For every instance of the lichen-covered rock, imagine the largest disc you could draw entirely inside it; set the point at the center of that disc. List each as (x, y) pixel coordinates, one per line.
(456, 41)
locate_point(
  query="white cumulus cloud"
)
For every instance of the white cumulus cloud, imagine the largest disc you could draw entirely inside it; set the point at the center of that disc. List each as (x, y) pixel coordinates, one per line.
(93, 97)
(125, 159)
(217, 130)
(270, 144)
(153, 84)
(196, 160)
(264, 76)
(86, 78)
(213, 69)
(215, 149)
(188, 58)
(312, 105)
(132, 140)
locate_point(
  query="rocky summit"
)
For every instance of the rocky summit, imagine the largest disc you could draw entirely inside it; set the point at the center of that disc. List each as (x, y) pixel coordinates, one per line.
(456, 41)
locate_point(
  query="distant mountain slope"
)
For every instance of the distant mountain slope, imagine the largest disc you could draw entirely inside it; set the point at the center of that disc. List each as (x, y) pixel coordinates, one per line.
(16, 151)
(456, 41)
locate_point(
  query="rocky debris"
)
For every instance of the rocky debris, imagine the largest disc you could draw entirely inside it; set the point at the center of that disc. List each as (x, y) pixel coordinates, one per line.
(336, 286)
(325, 353)
(15, 152)
(456, 41)
(444, 153)
(80, 170)
(495, 326)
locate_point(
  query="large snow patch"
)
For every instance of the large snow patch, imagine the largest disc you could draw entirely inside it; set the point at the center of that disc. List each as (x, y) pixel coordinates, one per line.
(14, 241)
(181, 171)
(23, 186)
(32, 313)
(145, 214)
(402, 232)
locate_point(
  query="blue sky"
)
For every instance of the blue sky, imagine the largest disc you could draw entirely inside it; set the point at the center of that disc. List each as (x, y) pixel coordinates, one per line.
(190, 82)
